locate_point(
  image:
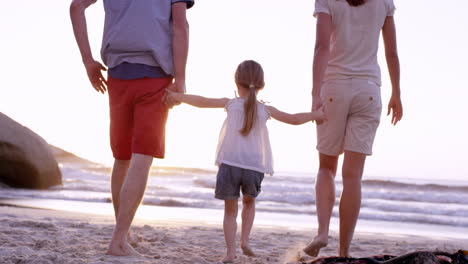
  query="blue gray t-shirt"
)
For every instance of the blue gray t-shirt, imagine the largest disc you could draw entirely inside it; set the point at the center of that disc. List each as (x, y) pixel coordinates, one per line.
(137, 40)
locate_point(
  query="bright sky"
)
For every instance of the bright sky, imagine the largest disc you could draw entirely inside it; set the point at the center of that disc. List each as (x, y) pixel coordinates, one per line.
(44, 85)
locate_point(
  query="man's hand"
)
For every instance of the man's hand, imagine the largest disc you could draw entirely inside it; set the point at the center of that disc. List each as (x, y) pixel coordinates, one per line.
(94, 68)
(316, 105)
(396, 108)
(178, 87)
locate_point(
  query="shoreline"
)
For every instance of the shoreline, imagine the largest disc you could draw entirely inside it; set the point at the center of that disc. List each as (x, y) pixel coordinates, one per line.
(293, 222)
(55, 236)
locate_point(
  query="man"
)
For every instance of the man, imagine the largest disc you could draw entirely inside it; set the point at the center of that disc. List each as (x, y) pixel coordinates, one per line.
(145, 47)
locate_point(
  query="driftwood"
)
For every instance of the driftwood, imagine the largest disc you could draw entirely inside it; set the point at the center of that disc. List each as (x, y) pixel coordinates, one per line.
(420, 257)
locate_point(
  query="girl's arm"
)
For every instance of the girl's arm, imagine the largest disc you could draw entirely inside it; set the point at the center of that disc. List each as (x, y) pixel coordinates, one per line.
(198, 101)
(296, 119)
(393, 63)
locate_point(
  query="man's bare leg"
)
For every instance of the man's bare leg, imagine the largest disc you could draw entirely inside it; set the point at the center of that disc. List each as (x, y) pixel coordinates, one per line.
(350, 201)
(119, 172)
(230, 229)
(324, 202)
(130, 198)
(248, 215)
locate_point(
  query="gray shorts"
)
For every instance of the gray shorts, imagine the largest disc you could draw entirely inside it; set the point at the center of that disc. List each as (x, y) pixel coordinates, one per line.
(230, 180)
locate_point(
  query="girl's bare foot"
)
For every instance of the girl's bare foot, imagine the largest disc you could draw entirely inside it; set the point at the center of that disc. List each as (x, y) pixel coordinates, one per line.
(314, 247)
(247, 251)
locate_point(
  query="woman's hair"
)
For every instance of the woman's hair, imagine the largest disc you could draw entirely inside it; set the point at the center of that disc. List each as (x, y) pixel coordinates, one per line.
(355, 2)
(249, 75)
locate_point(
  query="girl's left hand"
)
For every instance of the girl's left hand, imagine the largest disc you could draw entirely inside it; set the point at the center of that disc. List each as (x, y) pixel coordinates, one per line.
(316, 105)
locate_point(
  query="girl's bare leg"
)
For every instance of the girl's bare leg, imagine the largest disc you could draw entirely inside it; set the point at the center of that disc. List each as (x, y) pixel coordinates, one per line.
(248, 215)
(230, 229)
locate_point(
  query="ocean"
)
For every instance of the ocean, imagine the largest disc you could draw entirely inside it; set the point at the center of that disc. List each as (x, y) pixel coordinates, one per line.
(403, 206)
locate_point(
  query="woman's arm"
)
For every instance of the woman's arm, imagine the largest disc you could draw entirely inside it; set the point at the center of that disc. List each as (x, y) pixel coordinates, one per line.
(296, 119)
(393, 64)
(198, 101)
(321, 56)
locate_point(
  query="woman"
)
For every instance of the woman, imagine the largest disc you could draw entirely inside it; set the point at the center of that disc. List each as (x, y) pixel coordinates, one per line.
(346, 82)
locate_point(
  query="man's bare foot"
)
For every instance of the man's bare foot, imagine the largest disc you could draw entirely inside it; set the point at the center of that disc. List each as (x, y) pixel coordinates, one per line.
(247, 251)
(122, 249)
(314, 247)
(228, 259)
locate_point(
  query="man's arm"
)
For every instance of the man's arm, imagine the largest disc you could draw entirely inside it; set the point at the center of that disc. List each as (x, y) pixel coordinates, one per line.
(180, 45)
(393, 63)
(93, 68)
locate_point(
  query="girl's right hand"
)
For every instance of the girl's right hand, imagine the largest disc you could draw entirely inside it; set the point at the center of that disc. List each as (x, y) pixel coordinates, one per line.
(170, 98)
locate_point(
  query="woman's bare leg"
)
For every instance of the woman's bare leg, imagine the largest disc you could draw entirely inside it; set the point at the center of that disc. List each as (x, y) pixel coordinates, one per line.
(324, 202)
(350, 201)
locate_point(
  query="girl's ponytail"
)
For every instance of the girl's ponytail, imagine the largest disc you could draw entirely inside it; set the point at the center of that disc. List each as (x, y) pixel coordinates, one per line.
(250, 110)
(249, 75)
(355, 2)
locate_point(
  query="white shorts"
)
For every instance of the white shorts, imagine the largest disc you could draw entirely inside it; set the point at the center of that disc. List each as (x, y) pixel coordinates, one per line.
(353, 108)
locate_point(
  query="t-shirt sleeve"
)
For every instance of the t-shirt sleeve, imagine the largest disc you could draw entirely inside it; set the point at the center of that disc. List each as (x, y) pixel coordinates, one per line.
(390, 8)
(321, 6)
(190, 3)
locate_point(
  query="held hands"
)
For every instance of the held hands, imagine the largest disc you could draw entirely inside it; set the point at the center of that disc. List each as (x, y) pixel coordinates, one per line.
(317, 105)
(170, 97)
(93, 69)
(395, 106)
(319, 115)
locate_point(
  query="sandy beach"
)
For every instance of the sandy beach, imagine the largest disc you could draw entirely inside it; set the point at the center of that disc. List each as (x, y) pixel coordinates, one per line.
(48, 236)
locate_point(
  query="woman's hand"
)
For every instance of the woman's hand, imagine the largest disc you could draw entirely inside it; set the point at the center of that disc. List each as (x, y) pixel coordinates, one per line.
(316, 105)
(319, 116)
(396, 108)
(93, 69)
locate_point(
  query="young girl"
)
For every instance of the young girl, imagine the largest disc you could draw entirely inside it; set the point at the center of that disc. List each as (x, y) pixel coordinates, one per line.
(244, 152)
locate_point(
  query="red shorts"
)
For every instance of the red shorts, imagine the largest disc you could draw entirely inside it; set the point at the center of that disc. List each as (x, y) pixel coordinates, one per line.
(137, 116)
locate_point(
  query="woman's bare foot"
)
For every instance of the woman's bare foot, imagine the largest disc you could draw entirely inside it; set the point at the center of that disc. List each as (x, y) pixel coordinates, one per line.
(228, 259)
(132, 239)
(247, 251)
(314, 247)
(122, 249)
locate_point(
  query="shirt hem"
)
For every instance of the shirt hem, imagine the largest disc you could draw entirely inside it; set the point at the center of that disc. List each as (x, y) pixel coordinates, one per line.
(266, 171)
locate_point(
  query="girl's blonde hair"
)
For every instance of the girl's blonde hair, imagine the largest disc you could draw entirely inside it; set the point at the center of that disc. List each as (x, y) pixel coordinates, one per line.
(249, 75)
(355, 2)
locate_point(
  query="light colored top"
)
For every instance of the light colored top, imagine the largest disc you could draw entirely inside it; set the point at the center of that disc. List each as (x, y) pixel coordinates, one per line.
(251, 152)
(139, 32)
(355, 37)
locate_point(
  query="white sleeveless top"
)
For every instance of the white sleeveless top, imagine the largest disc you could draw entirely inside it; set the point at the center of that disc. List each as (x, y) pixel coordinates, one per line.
(251, 152)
